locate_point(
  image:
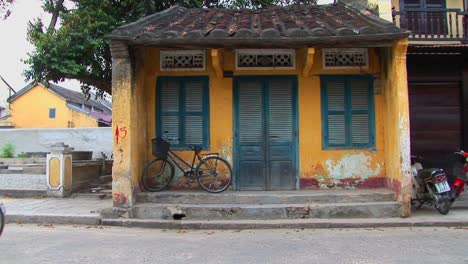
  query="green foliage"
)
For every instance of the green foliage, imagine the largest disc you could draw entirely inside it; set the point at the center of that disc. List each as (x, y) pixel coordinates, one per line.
(22, 155)
(77, 48)
(8, 151)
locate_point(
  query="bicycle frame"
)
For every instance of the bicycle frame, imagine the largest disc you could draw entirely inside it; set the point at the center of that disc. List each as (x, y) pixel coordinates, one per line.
(176, 159)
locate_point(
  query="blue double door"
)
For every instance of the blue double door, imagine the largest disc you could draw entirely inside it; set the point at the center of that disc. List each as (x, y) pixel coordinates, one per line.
(265, 138)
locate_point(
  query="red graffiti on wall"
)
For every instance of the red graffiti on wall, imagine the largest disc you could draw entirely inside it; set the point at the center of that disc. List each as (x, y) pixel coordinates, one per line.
(120, 199)
(117, 134)
(120, 133)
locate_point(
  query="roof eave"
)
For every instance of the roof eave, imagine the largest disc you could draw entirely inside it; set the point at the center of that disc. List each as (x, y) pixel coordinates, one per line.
(375, 39)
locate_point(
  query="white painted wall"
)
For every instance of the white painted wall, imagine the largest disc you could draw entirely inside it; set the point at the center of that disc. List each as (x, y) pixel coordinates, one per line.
(97, 139)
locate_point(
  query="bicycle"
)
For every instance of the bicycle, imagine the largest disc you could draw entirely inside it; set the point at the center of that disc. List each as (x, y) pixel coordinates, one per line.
(2, 217)
(212, 172)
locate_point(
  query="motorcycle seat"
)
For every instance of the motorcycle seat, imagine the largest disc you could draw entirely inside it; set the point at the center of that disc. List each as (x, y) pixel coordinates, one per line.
(429, 172)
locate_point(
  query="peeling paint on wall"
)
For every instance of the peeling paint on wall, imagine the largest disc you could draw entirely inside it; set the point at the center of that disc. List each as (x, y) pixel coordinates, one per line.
(405, 150)
(356, 170)
(226, 152)
(352, 166)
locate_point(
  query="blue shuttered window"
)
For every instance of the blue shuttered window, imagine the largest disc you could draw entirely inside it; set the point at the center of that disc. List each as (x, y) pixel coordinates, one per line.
(51, 113)
(183, 111)
(348, 112)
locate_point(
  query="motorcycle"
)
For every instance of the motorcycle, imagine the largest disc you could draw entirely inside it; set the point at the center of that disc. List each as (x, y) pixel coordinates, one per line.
(430, 187)
(460, 172)
(2, 217)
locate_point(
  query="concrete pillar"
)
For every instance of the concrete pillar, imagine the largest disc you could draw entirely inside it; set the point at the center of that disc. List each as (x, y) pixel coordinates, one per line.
(123, 125)
(59, 171)
(401, 81)
(397, 127)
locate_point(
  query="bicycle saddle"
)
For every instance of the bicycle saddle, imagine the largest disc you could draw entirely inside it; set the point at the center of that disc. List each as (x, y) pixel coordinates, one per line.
(196, 148)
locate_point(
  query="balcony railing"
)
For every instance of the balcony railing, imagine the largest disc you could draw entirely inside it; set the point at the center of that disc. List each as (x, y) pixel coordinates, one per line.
(433, 24)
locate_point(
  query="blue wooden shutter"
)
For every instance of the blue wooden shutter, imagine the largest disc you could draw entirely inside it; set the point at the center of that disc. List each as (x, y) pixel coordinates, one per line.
(193, 120)
(170, 110)
(360, 112)
(251, 112)
(183, 110)
(250, 140)
(347, 112)
(281, 110)
(336, 119)
(281, 130)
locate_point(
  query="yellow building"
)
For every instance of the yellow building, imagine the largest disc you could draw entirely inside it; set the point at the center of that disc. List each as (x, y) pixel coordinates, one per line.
(38, 106)
(298, 98)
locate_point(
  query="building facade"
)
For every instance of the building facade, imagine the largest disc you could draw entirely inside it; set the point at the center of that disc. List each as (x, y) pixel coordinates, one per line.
(294, 98)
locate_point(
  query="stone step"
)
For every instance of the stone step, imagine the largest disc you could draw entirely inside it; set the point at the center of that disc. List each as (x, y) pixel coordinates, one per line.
(265, 211)
(272, 197)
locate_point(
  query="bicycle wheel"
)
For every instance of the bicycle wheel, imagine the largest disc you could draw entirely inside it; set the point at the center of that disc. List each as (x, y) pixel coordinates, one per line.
(2, 221)
(157, 175)
(214, 174)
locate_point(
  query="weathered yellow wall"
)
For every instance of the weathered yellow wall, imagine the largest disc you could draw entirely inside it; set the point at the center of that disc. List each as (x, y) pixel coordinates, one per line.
(31, 110)
(318, 168)
(397, 138)
(81, 120)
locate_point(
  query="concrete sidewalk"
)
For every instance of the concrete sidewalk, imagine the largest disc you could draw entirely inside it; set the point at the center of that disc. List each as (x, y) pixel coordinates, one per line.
(86, 211)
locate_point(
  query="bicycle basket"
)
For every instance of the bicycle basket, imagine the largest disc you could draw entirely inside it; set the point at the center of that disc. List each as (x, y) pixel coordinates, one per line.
(160, 148)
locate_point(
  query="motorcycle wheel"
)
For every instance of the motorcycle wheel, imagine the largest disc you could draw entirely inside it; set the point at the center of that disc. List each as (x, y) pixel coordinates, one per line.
(416, 204)
(443, 204)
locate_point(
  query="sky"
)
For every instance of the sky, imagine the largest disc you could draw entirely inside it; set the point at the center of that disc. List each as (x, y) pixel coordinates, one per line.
(14, 45)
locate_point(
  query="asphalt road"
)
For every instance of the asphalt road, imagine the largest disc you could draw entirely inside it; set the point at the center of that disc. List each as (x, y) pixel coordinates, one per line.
(91, 244)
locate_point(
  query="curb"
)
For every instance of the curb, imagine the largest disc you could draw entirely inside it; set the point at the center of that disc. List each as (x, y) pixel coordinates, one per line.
(53, 219)
(277, 224)
(229, 224)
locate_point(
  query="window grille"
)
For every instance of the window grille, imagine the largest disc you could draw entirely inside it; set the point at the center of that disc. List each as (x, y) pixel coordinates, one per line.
(345, 58)
(183, 60)
(265, 59)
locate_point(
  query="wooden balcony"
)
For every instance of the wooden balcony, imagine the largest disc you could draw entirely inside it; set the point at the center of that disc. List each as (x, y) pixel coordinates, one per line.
(433, 24)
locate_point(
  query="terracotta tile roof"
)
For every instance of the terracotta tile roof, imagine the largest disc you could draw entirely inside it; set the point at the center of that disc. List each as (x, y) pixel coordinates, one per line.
(274, 26)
